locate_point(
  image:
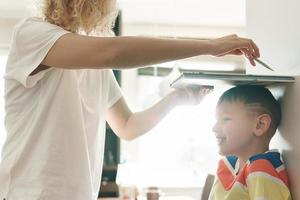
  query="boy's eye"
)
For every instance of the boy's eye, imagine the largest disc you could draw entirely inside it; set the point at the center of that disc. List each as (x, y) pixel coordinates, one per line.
(226, 119)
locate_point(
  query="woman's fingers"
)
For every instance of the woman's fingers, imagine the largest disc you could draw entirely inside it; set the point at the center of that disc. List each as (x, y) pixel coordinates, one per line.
(256, 49)
(232, 44)
(252, 47)
(235, 52)
(203, 92)
(193, 94)
(249, 56)
(197, 94)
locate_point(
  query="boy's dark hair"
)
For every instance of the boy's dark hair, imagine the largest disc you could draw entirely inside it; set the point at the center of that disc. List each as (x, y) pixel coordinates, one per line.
(257, 95)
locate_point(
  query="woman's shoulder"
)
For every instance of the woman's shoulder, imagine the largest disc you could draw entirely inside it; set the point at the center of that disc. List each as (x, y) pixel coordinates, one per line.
(34, 23)
(35, 30)
(28, 21)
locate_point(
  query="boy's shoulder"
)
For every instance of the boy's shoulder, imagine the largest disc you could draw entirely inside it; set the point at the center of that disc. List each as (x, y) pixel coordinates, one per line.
(259, 162)
(268, 165)
(272, 158)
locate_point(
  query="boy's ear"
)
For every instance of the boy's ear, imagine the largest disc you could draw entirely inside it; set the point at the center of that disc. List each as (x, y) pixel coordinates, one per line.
(263, 123)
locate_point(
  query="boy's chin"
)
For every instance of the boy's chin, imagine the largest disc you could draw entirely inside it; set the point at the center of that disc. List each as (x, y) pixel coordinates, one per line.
(223, 152)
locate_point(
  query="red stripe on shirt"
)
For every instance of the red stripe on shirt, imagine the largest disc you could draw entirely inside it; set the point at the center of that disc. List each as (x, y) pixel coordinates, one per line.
(225, 175)
(265, 166)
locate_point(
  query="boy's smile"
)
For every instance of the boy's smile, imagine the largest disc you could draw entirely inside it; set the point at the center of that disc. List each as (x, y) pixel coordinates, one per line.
(220, 140)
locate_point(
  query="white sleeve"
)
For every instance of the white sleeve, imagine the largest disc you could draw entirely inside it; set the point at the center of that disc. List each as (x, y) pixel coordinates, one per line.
(114, 90)
(31, 41)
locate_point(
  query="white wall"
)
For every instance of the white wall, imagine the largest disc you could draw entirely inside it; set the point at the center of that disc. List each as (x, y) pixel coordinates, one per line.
(274, 25)
(16, 8)
(218, 13)
(290, 135)
(11, 11)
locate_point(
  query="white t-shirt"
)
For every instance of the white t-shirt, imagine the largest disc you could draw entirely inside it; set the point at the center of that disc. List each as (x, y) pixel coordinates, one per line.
(55, 121)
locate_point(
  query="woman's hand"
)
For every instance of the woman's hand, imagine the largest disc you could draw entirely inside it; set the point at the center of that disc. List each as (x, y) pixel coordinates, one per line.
(191, 95)
(234, 45)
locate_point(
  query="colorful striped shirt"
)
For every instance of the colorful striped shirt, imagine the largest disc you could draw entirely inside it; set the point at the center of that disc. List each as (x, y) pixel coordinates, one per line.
(262, 178)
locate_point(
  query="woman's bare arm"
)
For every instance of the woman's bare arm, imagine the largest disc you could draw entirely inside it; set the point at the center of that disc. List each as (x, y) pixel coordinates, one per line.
(73, 51)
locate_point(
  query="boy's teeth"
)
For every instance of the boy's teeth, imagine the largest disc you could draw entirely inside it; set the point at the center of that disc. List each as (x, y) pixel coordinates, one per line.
(220, 140)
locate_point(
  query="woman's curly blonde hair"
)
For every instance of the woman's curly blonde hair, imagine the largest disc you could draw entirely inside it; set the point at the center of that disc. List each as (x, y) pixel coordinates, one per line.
(80, 15)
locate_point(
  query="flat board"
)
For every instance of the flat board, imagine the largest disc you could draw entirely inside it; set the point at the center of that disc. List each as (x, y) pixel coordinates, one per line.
(214, 79)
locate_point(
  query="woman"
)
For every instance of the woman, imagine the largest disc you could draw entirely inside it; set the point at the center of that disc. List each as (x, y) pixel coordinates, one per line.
(60, 91)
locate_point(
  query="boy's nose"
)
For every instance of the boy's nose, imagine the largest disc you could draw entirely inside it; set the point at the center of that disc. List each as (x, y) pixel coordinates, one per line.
(215, 128)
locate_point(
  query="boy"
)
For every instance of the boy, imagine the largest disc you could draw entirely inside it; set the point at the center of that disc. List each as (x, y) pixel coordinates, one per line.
(247, 118)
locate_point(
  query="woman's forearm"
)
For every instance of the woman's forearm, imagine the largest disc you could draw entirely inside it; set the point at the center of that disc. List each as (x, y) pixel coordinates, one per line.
(73, 51)
(141, 122)
(130, 52)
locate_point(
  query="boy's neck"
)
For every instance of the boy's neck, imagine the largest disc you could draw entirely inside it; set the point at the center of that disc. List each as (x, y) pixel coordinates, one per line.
(244, 157)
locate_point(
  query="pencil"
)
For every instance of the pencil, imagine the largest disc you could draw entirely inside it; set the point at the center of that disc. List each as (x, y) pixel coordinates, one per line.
(263, 64)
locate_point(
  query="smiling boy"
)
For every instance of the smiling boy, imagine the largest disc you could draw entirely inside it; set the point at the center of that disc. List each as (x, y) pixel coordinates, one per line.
(247, 118)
